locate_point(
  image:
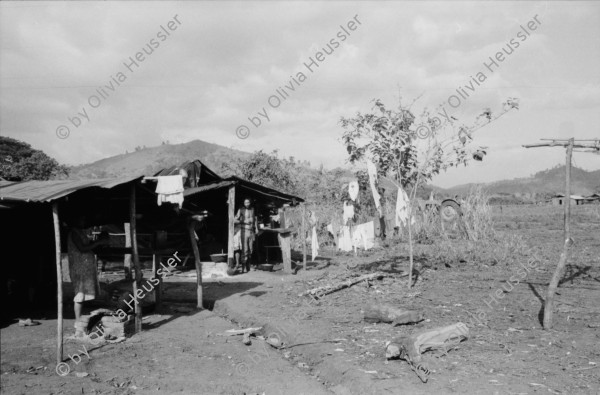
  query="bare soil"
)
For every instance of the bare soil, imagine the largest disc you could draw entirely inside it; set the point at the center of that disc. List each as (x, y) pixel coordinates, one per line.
(507, 352)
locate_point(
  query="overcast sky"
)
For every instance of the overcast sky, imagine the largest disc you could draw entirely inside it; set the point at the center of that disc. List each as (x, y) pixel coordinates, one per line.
(221, 62)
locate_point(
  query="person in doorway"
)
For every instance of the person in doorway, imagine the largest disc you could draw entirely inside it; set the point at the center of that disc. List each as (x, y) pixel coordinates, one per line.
(246, 217)
(82, 265)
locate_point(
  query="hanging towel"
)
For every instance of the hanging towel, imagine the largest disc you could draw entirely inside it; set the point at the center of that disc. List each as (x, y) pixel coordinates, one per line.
(372, 171)
(364, 235)
(348, 212)
(359, 236)
(353, 190)
(345, 241)
(170, 189)
(315, 243)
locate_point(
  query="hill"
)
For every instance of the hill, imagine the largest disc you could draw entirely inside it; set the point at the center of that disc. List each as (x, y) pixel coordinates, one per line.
(539, 186)
(148, 161)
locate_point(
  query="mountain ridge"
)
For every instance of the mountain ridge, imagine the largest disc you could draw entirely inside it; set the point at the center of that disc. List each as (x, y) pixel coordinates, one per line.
(148, 161)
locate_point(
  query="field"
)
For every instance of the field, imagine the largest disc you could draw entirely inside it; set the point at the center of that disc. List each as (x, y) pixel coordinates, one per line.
(330, 349)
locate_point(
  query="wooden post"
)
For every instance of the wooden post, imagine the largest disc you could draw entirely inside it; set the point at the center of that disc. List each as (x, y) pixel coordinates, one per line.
(303, 236)
(158, 289)
(59, 293)
(198, 263)
(127, 258)
(567, 243)
(160, 239)
(285, 245)
(594, 147)
(136, 261)
(231, 212)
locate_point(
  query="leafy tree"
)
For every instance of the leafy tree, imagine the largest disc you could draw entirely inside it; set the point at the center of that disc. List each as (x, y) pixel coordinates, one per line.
(411, 155)
(265, 169)
(20, 162)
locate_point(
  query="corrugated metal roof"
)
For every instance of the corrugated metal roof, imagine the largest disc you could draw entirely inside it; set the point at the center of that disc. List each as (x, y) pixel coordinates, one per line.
(47, 191)
(207, 187)
(270, 193)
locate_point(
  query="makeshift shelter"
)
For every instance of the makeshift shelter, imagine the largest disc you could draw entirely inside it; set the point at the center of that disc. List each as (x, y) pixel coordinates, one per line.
(36, 205)
(31, 211)
(219, 198)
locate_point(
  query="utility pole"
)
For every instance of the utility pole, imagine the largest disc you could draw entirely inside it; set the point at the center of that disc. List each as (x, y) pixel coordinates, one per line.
(571, 143)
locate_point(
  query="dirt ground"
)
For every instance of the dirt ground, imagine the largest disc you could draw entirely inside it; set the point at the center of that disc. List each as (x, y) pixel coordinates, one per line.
(507, 352)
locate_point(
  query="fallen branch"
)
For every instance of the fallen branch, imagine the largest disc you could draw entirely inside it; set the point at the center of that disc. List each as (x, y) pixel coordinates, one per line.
(327, 289)
(319, 342)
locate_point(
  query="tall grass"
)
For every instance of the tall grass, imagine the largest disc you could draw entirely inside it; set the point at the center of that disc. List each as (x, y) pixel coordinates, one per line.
(477, 215)
(480, 242)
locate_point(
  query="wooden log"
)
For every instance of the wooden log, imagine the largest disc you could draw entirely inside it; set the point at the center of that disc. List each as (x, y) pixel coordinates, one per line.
(389, 314)
(327, 289)
(136, 261)
(410, 348)
(286, 251)
(549, 303)
(199, 296)
(59, 293)
(231, 226)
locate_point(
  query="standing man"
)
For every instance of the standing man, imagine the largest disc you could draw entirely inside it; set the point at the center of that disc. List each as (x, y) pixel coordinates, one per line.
(82, 264)
(246, 217)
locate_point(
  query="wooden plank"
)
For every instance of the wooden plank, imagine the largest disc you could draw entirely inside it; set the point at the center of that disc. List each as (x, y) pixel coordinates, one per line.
(199, 296)
(136, 261)
(59, 293)
(231, 226)
(548, 306)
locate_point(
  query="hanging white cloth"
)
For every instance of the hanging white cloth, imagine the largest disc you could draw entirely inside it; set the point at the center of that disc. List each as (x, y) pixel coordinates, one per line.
(402, 203)
(170, 189)
(348, 212)
(364, 235)
(344, 239)
(353, 190)
(357, 236)
(315, 243)
(372, 171)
